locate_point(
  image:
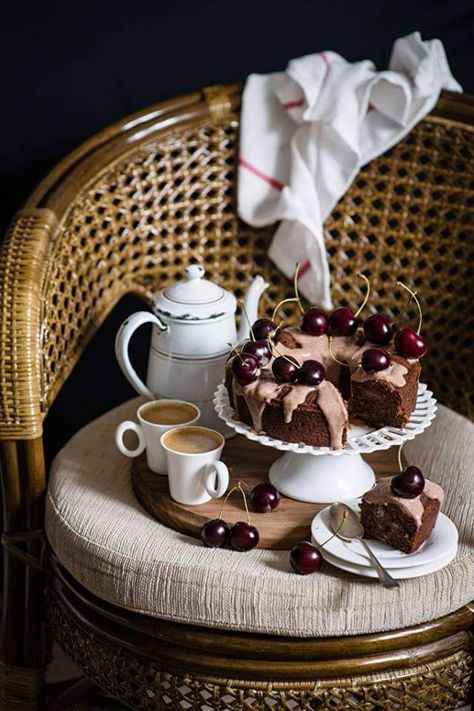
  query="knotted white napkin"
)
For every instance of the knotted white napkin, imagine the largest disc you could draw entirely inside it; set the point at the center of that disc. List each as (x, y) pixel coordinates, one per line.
(306, 132)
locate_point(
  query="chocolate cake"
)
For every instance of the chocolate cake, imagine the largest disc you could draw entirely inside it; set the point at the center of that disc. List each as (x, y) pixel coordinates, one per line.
(404, 523)
(319, 415)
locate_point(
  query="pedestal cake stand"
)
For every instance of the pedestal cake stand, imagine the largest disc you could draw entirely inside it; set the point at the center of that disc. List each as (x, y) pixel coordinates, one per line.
(322, 475)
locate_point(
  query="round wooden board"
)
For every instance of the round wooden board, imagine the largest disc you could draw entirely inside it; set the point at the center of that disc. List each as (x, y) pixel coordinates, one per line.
(249, 462)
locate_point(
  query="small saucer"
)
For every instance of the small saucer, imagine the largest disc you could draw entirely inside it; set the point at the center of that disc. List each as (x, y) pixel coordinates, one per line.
(442, 539)
(415, 571)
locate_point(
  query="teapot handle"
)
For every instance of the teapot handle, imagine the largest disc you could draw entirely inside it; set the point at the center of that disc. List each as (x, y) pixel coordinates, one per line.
(122, 340)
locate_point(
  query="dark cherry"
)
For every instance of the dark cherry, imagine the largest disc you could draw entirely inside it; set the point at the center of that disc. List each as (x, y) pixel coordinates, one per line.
(285, 369)
(375, 359)
(246, 368)
(342, 322)
(315, 322)
(305, 558)
(409, 483)
(312, 372)
(264, 497)
(215, 533)
(409, 343)
(243, 536)
(264, 327)
(378, 330)
(260, 350)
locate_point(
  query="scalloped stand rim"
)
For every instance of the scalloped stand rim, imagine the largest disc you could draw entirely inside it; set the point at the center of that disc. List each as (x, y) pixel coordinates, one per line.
(323, 476)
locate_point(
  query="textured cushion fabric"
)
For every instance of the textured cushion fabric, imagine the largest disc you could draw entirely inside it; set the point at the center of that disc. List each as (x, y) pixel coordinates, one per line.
(116, 550)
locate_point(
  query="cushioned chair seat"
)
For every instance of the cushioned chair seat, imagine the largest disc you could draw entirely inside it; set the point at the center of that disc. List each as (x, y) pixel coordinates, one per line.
(116, 550)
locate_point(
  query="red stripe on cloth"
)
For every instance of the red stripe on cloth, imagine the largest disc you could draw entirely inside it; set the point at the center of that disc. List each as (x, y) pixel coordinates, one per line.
(304, 268)
(370, 108)
(293, 104)
(267, 178)
(324, 58)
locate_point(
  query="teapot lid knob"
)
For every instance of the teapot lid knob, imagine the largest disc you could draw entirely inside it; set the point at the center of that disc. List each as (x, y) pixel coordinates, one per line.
(194, 271)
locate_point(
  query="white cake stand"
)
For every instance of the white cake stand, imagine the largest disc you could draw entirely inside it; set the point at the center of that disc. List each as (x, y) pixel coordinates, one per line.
(324, 475)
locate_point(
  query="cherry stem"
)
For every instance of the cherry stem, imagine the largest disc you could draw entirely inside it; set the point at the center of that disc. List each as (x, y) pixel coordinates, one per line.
(274, 348)
(400, 466)
(332, 354)
(367, 283)
(338, 530)
(243, 307)
(414, 296)
(239, 486)
(295, 286)
(237, 353)
(278, 306)
(403, 311)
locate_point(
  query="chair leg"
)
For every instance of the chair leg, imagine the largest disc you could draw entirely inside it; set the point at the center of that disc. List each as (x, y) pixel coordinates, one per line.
(21, 688)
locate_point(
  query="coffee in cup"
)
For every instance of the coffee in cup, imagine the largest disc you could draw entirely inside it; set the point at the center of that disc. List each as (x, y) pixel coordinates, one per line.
(195, 474)
(155, 418)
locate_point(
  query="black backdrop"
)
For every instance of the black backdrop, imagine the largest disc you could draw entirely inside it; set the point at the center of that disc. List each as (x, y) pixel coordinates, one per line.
(70, 68)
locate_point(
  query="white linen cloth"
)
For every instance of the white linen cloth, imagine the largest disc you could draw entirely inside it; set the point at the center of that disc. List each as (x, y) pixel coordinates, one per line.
(306, 132)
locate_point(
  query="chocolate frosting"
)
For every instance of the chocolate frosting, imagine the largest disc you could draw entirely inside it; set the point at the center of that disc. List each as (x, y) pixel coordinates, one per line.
(383, 494)
(345, 349)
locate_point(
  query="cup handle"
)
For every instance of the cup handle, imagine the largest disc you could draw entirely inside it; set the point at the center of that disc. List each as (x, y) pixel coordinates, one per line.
(219, 471)
(119, 433)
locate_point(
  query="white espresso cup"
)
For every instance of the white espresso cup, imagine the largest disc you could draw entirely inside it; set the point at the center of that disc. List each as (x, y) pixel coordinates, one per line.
(155, 418)
(195, 474)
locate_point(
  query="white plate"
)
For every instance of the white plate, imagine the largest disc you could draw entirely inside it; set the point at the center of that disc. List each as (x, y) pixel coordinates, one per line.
(415, 571)
(444, 537)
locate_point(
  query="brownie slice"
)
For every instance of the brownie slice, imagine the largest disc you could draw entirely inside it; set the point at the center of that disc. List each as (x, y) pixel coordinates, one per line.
(403, 524)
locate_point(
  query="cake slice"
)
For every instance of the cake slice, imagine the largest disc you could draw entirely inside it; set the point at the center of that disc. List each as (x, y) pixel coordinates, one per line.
(403, 523)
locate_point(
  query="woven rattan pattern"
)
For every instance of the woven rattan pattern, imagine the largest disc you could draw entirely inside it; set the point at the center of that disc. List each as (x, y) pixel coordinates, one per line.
(172, 201)
(141, 684)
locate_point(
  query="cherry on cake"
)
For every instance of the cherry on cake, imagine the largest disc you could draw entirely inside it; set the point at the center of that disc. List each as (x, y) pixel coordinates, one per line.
(390, 512)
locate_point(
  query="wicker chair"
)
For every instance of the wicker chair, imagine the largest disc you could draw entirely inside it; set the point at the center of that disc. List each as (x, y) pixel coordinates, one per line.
(123, 214)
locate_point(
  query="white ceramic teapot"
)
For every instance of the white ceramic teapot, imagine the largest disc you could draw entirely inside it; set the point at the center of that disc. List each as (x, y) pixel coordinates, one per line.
(193, 323)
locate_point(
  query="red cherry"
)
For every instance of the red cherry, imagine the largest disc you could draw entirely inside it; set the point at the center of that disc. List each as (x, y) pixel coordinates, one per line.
(285, 369)
(342, 322)
(215, 533)
(409, 343)
(243, 536)
(259, 350)
(264, 497)
(315, 322)
(246, 368)
(408, 484)
(312, 372)
(305, 558)
(377, 329)
(265, 327)
(375, 359)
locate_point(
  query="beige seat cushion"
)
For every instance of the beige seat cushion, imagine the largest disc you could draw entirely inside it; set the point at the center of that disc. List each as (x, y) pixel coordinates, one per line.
(106, 540)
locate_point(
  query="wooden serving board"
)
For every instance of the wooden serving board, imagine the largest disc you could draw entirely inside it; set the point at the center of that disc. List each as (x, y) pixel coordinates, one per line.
(248, 461)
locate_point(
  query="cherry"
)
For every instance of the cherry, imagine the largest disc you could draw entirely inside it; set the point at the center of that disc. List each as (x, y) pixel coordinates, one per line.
(265, 327)
(215, 533)
(377, 329)
(342, 322)
(243, 536)
(305, 558)
(409, 343)
(260, 350)
(312, 372)
(246, 368)
(409, 483)
(315, 322)
(285, 369)
(375, 359)
(264, 497)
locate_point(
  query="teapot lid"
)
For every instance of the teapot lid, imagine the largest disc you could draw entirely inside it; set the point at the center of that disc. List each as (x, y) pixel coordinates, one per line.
(194, 298)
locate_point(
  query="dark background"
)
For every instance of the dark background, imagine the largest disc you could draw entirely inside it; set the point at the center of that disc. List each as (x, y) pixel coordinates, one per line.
(70, 68)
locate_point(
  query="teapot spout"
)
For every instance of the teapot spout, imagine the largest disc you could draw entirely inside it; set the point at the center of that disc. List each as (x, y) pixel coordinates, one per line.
(251, 300)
